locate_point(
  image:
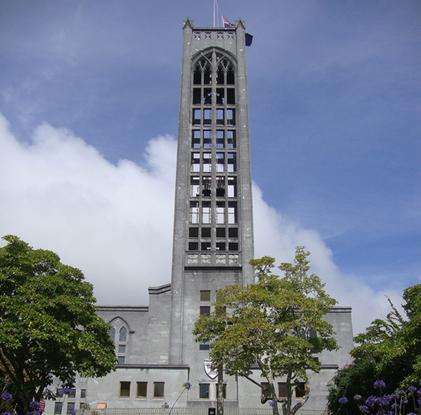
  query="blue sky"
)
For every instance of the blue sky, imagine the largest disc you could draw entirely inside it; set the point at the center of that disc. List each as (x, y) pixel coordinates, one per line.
(335, 104)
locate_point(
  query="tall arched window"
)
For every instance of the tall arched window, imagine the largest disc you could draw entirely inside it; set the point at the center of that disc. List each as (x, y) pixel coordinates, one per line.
(122, 345)
(213, 152)
(119, 335)
(122, 335)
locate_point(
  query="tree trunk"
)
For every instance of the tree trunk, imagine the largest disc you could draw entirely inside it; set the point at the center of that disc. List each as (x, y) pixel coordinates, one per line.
(220, 391)
(289, 394)
(275, 409)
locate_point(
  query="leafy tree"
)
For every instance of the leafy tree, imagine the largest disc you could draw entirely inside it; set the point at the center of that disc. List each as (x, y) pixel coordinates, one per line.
(276, 325)
(48, 324)
(390, 349)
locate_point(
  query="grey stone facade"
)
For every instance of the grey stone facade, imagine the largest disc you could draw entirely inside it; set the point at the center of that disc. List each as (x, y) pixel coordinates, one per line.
(212, 247)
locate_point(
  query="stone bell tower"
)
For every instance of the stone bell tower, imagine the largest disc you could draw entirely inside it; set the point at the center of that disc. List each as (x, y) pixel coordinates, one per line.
(213, 229)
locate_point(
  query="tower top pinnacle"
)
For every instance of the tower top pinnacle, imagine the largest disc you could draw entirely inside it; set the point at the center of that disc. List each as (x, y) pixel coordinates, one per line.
(188, 23)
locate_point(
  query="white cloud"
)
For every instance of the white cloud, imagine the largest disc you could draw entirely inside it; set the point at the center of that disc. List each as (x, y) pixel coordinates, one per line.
(115, 221)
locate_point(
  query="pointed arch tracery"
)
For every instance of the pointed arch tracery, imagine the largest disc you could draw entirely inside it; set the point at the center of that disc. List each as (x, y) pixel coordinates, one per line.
(119, 333)
(122, 334)
(213, 215)
(213, 61)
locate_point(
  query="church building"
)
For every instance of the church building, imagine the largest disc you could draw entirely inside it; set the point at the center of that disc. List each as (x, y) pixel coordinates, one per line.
(159, 362)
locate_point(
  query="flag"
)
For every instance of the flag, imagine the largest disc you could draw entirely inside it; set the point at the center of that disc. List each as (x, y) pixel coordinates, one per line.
(226, 23)
(249, 39)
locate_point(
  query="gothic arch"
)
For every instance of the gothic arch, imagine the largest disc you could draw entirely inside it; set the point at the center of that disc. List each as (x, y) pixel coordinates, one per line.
(120, 332)
(114, 322)
(208, 51)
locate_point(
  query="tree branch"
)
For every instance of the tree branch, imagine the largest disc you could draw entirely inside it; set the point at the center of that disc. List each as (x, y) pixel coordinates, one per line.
(253, 381)
(7, 365)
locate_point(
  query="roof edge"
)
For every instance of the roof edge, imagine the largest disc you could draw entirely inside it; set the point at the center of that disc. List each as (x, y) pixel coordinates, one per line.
(160, 289)
(122, 308)
(340, 309)
(153, 366)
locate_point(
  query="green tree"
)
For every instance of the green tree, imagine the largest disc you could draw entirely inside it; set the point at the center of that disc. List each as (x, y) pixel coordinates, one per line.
(390, 349)
(276, 325)
(48, 323)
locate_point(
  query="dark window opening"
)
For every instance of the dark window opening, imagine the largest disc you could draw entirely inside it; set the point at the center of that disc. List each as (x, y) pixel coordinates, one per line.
(207, 76)
(206, 186)
(142, 389)
(230, 116)
(220, 187)
(205, 246)
(72, 393)
(231, 96)
(205, 295)
(230, 77)
(204, 390)
(300, 390)
(220, 75)
(220, 116)
(196, 96)
(220, 246)
(193, 232)
(207, 96)
(233, 246)
(193, 246)
(197, 75)
(58, 407)
(206, 232)
(83, 393)
(121, 360)
(124, 389)
(158, 389)
(204, 346)
(220, 96)
(233, 232)
(220, 192)
(220, 232)
(196, 116)
(204, 310)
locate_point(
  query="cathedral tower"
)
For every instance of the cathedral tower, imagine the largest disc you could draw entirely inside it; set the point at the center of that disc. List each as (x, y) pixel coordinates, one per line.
(213, 244)
(213, 229)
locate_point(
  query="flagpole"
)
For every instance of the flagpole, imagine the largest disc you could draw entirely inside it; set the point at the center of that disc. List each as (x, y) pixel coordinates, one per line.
(214, 13)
